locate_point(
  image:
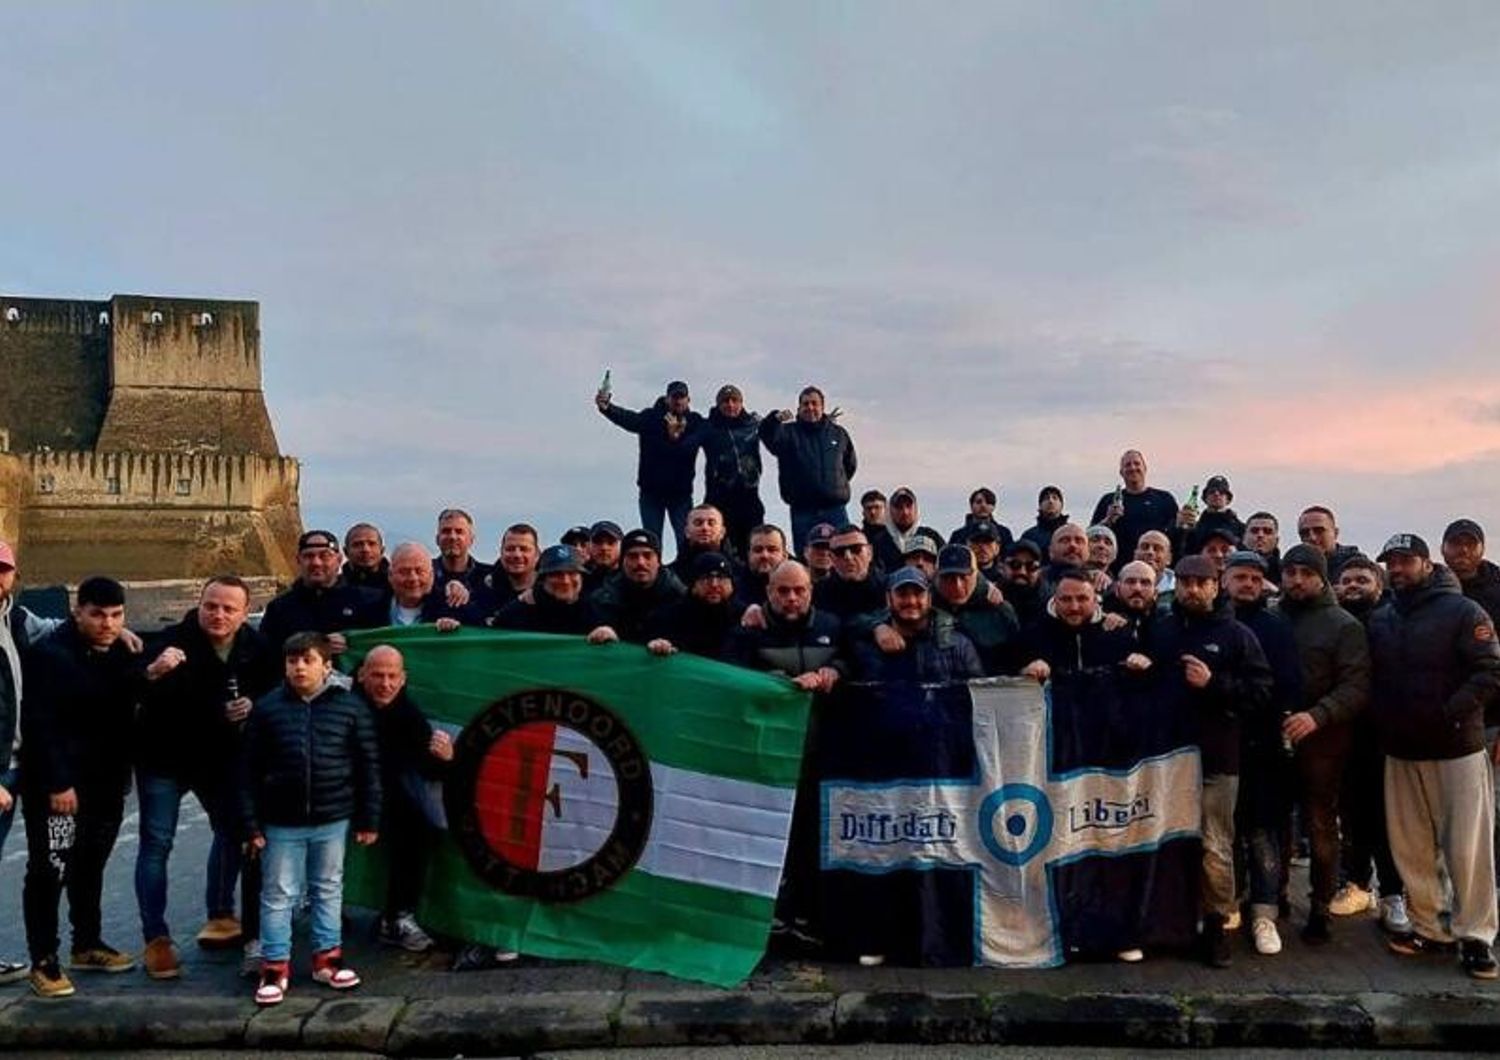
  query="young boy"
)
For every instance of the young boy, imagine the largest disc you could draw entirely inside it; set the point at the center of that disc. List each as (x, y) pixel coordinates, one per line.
(310, 770)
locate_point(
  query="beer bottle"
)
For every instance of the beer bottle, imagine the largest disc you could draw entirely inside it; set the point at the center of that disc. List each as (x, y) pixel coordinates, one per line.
(1192, 501)
(604, 386)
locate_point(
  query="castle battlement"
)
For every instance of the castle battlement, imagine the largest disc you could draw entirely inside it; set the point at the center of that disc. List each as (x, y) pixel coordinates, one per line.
(141, 436)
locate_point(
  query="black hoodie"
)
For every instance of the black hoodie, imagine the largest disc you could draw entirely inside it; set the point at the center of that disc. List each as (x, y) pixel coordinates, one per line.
(1042, 531)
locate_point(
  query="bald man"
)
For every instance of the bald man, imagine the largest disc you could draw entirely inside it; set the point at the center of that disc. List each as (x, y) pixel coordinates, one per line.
(1134, 508)
(411, 753)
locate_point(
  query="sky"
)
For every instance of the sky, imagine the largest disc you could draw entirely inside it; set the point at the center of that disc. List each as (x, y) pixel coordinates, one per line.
(1008, 240)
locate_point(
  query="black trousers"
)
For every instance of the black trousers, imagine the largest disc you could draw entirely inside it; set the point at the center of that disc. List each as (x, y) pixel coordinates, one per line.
(1365, 838)
(407, 835)
(52, 866)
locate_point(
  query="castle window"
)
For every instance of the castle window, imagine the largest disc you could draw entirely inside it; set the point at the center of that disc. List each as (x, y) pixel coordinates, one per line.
(12, 315)
(104, 318)
(152, 317)
(184, 487)
(46, 483)
(112, 485)
(203, 320)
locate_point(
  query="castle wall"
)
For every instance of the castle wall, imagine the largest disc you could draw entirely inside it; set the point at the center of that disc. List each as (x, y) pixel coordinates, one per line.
(12, 491)
(155, 515)
(55, 361)
(184, 376)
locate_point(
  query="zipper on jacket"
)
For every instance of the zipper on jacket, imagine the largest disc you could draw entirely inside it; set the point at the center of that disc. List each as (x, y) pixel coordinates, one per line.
(307, 790)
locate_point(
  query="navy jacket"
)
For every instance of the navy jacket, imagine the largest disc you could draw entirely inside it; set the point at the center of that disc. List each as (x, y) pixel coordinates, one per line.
(1239, 691)
(304, 609)
(311, 763)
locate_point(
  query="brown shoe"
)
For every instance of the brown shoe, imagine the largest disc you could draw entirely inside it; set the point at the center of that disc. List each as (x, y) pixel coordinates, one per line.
(221, 933)
(160, 959)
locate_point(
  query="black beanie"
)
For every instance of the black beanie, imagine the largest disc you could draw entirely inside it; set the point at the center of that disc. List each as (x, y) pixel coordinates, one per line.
(1306, 556)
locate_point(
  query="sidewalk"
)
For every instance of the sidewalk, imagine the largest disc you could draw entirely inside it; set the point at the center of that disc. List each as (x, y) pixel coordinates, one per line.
(1349, 993)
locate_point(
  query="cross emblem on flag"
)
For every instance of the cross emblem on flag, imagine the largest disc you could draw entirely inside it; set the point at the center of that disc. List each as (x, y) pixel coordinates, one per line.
(1013, 822)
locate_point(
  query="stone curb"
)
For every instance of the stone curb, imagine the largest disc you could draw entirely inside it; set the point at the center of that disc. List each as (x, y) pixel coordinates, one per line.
(522, 1024)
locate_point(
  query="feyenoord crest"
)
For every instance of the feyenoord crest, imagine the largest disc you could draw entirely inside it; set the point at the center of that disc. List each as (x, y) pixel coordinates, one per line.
(550, 795)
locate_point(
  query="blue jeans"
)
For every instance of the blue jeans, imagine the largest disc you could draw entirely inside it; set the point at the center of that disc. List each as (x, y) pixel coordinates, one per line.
(654, 511)
(160, 800)
(804, 519)
(296, 855)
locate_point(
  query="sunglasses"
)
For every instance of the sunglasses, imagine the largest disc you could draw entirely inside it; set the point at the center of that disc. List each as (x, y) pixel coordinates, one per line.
(1021, 564)
(848, 550)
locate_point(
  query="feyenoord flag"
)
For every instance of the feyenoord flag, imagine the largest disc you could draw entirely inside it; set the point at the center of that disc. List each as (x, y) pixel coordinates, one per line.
(603, 803)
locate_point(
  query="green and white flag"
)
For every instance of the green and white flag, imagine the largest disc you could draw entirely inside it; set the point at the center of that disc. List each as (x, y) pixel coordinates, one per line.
(604, 803)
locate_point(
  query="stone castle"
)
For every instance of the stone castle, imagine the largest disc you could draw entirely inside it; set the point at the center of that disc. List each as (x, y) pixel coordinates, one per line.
(135, 441)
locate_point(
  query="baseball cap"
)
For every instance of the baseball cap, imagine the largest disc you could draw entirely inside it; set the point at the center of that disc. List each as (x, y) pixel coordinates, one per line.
(558, 559)
(1196, 567)
(1246, 558)
(1222, 532)
(1025, 544)
(906, 576)
(1404, 544)
(7, 556)
(820, 535)
(677, 388)
(605, 528)
(317, 539)
(955, 559)
(904, 493)
(575, 535)
(920, 543)
(1464, 526)
(640, 539)
(706, 563)
(984, 529)
(1218, 482)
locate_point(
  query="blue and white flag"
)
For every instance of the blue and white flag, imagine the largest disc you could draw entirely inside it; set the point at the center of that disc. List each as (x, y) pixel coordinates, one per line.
(999, 823)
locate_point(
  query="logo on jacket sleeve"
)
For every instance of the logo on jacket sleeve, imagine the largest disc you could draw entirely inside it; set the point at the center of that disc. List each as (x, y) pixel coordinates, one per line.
(550, 796)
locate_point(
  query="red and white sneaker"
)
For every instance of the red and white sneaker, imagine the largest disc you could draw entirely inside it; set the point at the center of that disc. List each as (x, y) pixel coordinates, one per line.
(328, 968)
(271, 990)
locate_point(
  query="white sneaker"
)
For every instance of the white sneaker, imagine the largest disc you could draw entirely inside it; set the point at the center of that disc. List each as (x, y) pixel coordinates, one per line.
(1393, 914)
(1351, 900)
(1232, 921)
(1132, 956)
(1267, 938)
(871, 960)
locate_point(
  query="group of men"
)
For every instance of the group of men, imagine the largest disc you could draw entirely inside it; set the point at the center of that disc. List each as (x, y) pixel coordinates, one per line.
(1343, 693)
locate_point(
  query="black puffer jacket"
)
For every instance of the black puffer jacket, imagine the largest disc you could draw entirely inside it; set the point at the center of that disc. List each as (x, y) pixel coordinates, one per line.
(1067, 648)
(790, 648)
(304, 763)
(814, 461)
(731, 454)
(1437, 667)
(181, 730)
(667, 463)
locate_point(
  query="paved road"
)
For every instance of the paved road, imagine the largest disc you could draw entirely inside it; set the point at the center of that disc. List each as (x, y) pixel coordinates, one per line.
(1355, 962)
